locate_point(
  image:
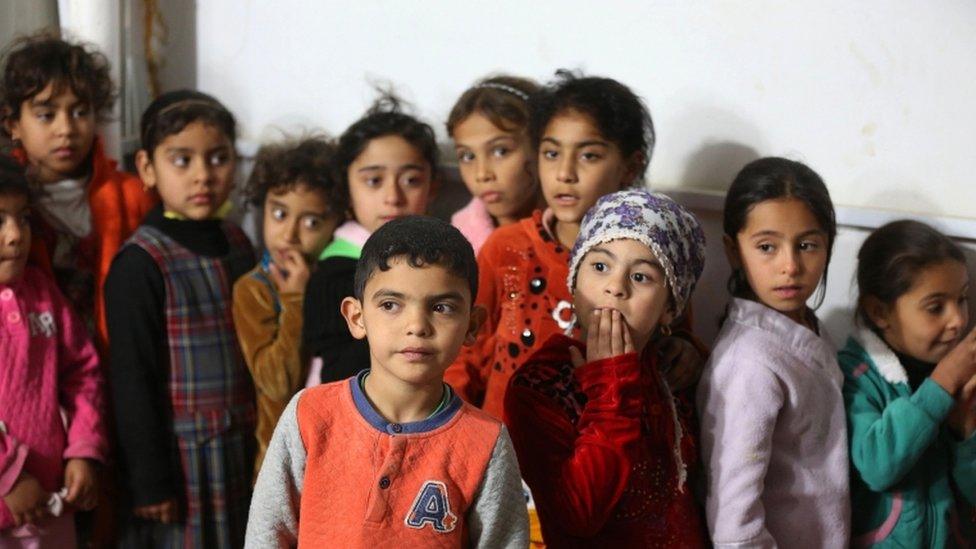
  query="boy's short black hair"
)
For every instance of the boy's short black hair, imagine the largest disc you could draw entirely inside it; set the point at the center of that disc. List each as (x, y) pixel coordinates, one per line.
(423, 241)
(280, 167)
(13, 178)
(33, 62)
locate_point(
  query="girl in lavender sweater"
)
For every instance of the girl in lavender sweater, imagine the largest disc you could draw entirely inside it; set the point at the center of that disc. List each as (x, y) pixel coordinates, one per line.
(774, 437)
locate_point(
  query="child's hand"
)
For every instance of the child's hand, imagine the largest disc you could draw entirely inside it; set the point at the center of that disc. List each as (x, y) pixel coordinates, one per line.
(292, 275)
(27, 500)
(962, 418)
(164, 512)
(607, 336)
(81, 480)
(958, 367)
(682, 363)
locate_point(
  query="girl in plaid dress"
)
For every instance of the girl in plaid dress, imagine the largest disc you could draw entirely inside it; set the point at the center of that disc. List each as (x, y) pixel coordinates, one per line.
(184, 402)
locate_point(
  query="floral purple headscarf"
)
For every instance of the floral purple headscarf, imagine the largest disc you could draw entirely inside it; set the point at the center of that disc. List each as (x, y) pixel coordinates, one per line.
(672, 233)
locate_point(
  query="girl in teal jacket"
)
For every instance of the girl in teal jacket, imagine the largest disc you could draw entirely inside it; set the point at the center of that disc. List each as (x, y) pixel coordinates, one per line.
(909, 386)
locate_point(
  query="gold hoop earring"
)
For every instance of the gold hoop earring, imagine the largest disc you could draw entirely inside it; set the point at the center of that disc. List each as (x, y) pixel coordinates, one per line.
(666, 330)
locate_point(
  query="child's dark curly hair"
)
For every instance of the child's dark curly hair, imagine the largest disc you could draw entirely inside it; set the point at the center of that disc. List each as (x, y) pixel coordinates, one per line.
(32, 62)
(619, 113)
(385, 117)
(282, 166)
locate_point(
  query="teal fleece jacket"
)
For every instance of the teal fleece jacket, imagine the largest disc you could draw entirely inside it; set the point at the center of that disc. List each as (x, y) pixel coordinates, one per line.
(913, 483)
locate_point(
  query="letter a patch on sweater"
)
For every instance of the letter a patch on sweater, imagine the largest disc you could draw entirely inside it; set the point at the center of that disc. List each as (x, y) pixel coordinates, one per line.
(432, 507)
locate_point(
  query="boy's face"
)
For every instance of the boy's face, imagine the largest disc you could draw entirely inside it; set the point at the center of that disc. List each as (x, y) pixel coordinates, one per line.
(624, 275)
(297, 218)
(415, 319)
(389, 179)
(578, 165)
(15, 236)
(57, 132)
(193, 170)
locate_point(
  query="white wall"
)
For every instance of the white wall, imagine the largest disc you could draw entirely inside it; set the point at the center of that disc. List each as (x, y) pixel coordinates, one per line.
(877, 96)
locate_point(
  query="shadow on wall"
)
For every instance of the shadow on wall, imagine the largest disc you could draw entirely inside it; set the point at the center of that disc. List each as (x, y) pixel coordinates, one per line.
(179, 52)
(714, 165)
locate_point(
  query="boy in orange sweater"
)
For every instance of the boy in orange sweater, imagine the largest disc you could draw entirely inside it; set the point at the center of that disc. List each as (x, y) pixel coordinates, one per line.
(392, 456)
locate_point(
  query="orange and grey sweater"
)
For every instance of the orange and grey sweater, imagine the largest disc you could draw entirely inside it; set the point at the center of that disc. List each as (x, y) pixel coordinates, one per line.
(337, 474)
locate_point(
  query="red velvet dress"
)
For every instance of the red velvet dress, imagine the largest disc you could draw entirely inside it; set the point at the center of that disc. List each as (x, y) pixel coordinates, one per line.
(610, 455)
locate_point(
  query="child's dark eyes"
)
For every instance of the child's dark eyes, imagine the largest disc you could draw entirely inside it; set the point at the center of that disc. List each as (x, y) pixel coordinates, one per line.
(590, 156)
(599, 266)
(550, 154)
(219, 159)
(44, 115)
(640, 277)
(444, 308)
(808, 246)
(465, 156)
(278, 214)
(181, 161)
(766, 248)
(500, 152)
(311, 222)
(390, 306)
(80, 112)
(373, 181)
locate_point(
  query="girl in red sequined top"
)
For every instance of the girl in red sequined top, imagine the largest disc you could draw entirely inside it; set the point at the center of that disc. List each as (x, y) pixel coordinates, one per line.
(609, 452)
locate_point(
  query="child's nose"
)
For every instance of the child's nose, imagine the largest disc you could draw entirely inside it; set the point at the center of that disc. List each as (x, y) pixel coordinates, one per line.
(64, 124)
(418, 324)
(567, 169)
(790, 262)
(484, 172)
(394, 194)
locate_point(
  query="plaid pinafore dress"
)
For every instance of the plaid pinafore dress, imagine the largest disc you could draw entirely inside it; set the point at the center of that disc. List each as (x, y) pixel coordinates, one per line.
(210, 389)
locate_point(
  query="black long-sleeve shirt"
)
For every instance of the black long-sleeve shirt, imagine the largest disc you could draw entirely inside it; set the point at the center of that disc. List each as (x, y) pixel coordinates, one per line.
(324, 330)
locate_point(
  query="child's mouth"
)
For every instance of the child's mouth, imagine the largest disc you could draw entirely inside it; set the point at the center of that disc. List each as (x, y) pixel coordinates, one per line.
(787, 292)
(491, 197)
(202, 199)
(416, 354)
(64, 152)
(566, 199)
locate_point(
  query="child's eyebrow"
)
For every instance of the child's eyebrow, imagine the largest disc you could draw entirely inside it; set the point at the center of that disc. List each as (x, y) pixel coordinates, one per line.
(382, 293)
(419, 167)
(603, 251)
(580, 144)
(371, 168)
(452, 296)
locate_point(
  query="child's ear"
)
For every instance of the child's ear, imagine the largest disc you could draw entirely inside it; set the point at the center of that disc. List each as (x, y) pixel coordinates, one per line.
(12, 125)
(877, 311)
(633, 168)
(352, 311)
(478, 316)
(732, 252)
(144, 165)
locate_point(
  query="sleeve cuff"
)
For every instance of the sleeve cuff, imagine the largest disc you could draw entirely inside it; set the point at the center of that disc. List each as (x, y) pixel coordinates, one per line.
(11, 471)
(593, 376)
(932, 399)
(85, 449)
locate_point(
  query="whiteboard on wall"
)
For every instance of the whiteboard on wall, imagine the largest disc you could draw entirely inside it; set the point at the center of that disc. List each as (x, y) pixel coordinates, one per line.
(877, 96)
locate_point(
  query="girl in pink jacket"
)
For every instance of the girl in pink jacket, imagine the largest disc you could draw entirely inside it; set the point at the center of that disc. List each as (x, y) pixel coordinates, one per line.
(47, 364)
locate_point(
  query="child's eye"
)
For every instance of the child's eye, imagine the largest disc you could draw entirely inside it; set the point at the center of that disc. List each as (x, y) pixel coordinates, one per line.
(218, 159)
(80, 112)
(766, 248)
(935, 309)
(278, 213)
(311, 222)
(550, 154)
(500, 152)
(590, 156)
(414, 181)
(465, 156)
(444, 308)
(599, 266)
(640, 278)
(390, 306)
(181, 161)
(374, 181)
(808, 246)
(45, 116)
